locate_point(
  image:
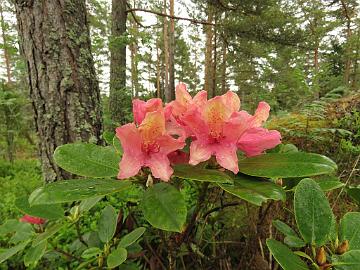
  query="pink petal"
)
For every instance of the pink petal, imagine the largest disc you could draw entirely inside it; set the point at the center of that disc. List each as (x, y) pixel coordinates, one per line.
(32, 219)
(231, 100)
(256, 140)
(130, 165)
(226, 157)
(196, 124)
(200, 98)
(152, 127)
(261, 114)
(141, 108)
(168, 144)
(173, 128)
(159, 165)
(199, 152)
(181, 94)
(133, 157)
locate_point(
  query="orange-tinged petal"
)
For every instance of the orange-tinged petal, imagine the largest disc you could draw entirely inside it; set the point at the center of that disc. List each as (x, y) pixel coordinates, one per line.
(215, 114)
(159, 165)
(200, 98)
(199, 152)
(152, 127)
(261, 114)
(168, 144)
(181, 94)
(130, 165)
(231, 101)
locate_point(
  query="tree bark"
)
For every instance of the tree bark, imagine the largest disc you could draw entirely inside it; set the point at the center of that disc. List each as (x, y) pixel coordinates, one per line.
(64, 91)
(134, 60)
(208, 80)
(166, 58)
(223, 67)
(171, 54)
(118, 93)
(5, 45)
(348, 45)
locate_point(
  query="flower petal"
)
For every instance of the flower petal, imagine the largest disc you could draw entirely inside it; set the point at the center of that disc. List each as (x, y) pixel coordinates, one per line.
(178, 157)
(133, 158)
(152, 127)
(254, 141)
(200, 98)
(261, 114)
(141, 108)
(199, 152)
(182, 95)
(194, 121)
(159, 165)
(226, 157)
(32, 219)
(168, 144)
(231, 100)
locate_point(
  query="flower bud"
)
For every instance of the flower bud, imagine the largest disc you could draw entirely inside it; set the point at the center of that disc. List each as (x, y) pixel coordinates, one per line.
(343, 247)
(321, 256)
(326, 266)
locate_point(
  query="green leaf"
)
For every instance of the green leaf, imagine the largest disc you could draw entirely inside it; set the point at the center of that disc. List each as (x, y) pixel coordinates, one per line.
(254, 190)
(287, 165)
(53, 211)
(108, 137)
(131, 238)
(285, 257)
(164, 207)
(330, 185)
(75, 190)
(349, 229)
(87, 159)
(348, 261)
(24, 231)
(107, 224)
(312, 212)
(7, 253)
(294, 241)
(284, 228)
(117, 145)
(189, 172)
(87, 204)
(47, 234)
(34, 254)
(117, 257)
(354, 193)
(91, 252)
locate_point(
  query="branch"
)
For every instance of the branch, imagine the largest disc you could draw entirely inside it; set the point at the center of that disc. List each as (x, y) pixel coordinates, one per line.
(169, 16)
(134, 16)
(219, 208)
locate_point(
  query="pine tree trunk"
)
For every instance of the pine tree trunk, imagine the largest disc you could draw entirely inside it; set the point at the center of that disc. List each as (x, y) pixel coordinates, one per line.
(171, 54)
(166, 58)
(118, 95)
(208, 80)
(223, 68)
(134, 61)
(64, 91)
(5, 45)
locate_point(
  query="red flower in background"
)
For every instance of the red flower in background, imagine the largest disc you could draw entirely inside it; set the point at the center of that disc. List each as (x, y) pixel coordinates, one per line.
(32, 220)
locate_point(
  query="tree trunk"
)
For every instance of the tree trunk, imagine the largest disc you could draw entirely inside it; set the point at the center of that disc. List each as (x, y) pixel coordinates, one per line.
(5, 45)
(134, 60)
(348, 45)
(208, 83)
(166, 58)
(171, 54)
(64, 91)
(223, 67)
(354, 83)
(118, 93)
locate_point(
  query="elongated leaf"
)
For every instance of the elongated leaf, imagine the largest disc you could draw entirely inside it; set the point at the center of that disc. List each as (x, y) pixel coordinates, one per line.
(291, 237)
(88, 160)
(107, 224)
(354, 193)
(53, 211)
(47, 234)
(117, 257)
(130, 238)
(87, 204)
(189, 172)
(254, 190)
(330, 185)
(91, 252)
(75, 190)
(294, 241)
(287, 165)
(6, 254)
(285, 257)
(34, 254)
(349, 229)
(164, 207)
(348, 261)
(312, 212)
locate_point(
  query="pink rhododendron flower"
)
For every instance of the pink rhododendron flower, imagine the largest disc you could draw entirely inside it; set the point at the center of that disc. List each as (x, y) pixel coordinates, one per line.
(148, 145)
(178, 157)
(215, 133)
(141, 108)
(32, 220)
(220, 128)
(177, 108)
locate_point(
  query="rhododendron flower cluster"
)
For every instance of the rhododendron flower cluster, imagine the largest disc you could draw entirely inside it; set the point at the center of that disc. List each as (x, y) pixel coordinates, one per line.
(216, 127)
